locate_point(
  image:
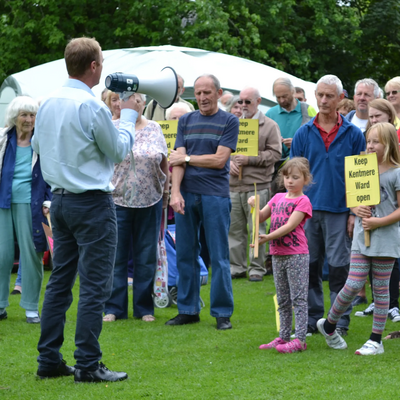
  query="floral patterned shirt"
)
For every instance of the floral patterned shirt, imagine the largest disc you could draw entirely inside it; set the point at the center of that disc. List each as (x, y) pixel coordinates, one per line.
(140, 172)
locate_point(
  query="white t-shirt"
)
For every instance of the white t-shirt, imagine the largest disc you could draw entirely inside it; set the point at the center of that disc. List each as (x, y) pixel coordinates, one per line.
(360, 123)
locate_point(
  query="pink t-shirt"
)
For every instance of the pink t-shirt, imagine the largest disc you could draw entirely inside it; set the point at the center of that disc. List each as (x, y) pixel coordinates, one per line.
(282, 208)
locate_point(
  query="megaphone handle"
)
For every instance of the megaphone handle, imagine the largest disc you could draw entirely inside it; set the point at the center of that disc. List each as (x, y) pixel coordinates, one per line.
(125, 95)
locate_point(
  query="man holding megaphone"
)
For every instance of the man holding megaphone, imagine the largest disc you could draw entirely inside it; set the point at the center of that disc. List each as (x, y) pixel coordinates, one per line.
(78, 145)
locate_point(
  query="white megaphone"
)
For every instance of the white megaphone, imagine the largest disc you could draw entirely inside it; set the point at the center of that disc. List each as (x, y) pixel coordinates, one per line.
(163, 87)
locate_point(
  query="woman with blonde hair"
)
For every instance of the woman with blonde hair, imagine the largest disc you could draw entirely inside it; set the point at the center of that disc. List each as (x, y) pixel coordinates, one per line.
(381, 110)
(141, 192)
(114, 104)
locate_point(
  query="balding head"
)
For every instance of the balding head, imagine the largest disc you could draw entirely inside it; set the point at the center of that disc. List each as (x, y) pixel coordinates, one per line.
(284, 92)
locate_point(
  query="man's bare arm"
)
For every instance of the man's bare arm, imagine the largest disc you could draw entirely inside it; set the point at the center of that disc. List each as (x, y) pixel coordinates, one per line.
(214, 161)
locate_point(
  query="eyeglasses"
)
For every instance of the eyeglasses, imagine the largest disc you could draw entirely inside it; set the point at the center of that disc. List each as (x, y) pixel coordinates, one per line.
(245, 101)
(393, 92)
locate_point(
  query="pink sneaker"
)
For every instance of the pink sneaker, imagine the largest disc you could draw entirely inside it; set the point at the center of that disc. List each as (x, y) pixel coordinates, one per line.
(291, 347)
(273, 344)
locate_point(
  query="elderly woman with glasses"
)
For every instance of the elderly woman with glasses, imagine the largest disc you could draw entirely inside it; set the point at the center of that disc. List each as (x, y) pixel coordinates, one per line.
(22, 194)
(234, 106)
(392, 91)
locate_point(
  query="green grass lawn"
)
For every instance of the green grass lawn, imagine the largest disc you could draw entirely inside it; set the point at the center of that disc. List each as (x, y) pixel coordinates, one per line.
(199, 362)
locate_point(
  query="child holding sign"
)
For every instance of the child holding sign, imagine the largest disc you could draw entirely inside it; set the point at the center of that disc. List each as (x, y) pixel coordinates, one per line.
(289, 250)
(382, 220)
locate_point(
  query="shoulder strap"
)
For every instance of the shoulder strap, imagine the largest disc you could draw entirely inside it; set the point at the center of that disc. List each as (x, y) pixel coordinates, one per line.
(153, 109)
(304, 113)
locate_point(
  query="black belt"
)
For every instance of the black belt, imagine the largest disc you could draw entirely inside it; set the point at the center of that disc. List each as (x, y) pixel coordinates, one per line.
(66, 192)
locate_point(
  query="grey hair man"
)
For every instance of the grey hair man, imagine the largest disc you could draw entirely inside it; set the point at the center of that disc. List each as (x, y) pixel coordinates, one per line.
(365, 91)
(290, 113)
(177, 110)
(226, 96)
(156, 113)
(200, 197)
(325, 141)
(255, 169)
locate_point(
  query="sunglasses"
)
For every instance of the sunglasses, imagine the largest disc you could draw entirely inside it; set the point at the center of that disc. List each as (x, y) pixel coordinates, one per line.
(393, 92)
(247, 101)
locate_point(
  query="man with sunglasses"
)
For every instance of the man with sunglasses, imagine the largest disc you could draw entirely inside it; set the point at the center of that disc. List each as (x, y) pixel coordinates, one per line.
(365, 91)
(257, 170)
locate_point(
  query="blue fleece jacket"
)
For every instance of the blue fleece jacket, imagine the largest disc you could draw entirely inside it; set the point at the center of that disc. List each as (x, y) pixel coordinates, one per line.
(327, 193)
(40, 190)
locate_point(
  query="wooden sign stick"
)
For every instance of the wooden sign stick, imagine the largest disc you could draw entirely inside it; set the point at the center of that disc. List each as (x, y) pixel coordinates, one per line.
(48, 219)
(257, 225)
(367, 234)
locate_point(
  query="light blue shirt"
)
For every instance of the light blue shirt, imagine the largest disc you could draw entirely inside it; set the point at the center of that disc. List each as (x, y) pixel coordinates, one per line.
(77, 141)
(22, 179)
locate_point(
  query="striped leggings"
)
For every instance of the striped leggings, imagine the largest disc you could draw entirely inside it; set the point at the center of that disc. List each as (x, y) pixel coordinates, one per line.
(360, 265)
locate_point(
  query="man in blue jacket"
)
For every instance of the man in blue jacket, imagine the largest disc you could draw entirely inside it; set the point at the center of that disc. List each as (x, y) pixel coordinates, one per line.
(325, 141)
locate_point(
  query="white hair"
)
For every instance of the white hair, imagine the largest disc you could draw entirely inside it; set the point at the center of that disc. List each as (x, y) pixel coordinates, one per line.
(142, 96)
(177, 106)
(20, 103)
(370, 83)
(332, 80)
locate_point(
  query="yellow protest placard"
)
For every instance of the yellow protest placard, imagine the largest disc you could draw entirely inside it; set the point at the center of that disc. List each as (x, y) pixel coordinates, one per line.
(362, 180)
(169, 129)
(248, 138)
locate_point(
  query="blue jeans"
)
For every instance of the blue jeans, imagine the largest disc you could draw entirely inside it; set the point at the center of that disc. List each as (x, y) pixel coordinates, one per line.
(18, 281)
(142, 227)
(214, 213)
(85, 239)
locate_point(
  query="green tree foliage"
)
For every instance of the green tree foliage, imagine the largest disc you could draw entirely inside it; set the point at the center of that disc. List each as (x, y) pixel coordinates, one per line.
(307, 38)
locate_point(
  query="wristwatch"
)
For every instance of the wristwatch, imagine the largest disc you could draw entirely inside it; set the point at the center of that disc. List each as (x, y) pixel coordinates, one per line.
(187, 159)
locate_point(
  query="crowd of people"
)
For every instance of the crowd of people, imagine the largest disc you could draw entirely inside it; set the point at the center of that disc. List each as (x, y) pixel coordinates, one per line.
(104, 163)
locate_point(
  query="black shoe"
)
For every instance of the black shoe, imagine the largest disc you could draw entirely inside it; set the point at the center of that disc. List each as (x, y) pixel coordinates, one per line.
(183, 319)
(33, 320)
(358, 300)
(62, 370)
(342, 332)
(15, 291)
(103, 374)
(3, 316)
(223, 323)
(239, 275)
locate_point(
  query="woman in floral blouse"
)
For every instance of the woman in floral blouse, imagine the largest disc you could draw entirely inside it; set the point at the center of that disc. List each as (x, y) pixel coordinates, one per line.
(141, 192)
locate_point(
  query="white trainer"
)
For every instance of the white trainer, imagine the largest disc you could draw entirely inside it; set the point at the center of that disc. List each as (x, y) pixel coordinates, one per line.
(335, 341)
(370, 348)
(368, 311)
(394, 314)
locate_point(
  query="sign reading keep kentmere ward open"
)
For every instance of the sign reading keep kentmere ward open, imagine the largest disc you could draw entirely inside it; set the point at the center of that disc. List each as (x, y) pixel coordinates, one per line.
(362, 180)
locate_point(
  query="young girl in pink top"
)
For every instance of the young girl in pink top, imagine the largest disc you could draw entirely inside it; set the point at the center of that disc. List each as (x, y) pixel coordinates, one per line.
(289, 250)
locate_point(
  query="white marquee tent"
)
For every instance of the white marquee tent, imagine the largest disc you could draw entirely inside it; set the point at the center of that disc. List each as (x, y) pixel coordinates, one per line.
(234, 73)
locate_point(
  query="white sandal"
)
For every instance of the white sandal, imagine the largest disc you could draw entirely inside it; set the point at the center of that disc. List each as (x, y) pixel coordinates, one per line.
(109, 318)
(148, 318)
